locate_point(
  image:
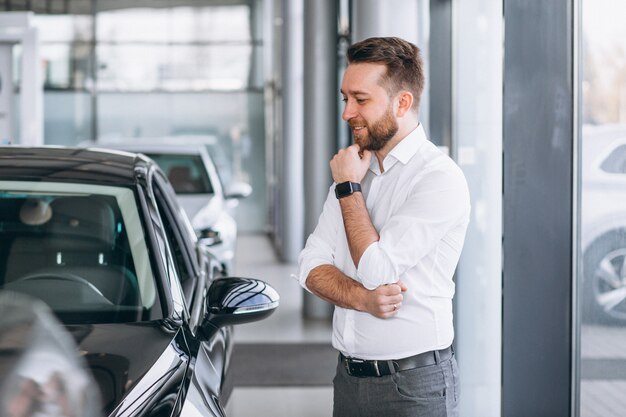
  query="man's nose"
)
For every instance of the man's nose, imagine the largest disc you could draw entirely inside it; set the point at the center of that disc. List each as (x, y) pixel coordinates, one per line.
(348, 112)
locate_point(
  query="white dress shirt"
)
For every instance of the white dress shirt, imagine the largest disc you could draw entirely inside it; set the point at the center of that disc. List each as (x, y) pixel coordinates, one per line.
(420, 207)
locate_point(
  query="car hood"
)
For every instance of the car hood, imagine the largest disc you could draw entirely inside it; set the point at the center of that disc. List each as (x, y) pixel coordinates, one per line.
(131, 362)
(202, 209)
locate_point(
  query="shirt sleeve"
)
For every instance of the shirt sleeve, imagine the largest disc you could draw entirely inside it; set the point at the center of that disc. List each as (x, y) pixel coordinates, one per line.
(436, 204)
(320, 245)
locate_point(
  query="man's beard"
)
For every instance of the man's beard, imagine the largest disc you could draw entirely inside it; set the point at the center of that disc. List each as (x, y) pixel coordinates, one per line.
(379, 132)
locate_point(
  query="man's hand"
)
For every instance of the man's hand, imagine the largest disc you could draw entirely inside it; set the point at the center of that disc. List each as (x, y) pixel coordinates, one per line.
(350, 165)
(384, 301)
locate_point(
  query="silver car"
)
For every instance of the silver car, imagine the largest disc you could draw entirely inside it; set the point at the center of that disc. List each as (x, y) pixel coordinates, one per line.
(193, 175)
(603, 227)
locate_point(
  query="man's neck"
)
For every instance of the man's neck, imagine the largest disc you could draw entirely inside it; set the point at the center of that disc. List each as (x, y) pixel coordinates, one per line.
(402, 133)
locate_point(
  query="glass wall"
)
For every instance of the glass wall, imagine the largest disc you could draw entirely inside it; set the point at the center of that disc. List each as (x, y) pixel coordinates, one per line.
(174, 49)
(66, 44)
(123, 69)
(602, 176)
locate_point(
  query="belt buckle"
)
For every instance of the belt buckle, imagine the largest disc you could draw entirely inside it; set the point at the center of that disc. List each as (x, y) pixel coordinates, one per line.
(361, 368)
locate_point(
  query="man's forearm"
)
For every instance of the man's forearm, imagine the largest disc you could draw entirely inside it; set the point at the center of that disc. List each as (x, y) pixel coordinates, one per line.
(332, 285)
(351, 164)
(359, 228)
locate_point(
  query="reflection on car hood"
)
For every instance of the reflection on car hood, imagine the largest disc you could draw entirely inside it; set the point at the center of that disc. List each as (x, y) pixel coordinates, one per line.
(39, 367)
(202, 209)
(125, 356)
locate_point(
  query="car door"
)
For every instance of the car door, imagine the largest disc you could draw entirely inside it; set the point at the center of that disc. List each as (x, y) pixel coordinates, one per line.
(195, 270)
(159, 390)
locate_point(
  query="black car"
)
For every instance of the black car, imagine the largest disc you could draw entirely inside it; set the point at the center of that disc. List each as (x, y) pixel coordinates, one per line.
(100, 238)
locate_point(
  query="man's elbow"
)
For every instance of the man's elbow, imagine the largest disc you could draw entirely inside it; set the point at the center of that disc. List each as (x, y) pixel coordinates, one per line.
(373, 281)
(376, 269)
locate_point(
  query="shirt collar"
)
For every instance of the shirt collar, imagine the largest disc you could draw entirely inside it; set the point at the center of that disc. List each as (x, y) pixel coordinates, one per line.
(408, 146)
(403, 151)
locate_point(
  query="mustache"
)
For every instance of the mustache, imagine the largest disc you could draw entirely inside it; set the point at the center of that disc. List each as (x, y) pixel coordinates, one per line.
(357, 123)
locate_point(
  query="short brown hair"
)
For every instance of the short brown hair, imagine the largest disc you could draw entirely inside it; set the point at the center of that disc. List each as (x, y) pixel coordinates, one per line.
(405, 68)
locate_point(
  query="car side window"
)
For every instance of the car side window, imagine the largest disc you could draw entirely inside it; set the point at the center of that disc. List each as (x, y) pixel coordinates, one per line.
(180, 249)
(615, 163)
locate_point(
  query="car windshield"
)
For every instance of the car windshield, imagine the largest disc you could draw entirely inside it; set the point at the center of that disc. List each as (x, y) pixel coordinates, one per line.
(77, 247)
(186, 173)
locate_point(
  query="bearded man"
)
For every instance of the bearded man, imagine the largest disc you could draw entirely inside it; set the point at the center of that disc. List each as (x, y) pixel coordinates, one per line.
(387, 244)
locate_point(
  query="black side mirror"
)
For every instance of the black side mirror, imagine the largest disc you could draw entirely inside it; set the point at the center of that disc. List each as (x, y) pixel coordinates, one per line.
(238, 300)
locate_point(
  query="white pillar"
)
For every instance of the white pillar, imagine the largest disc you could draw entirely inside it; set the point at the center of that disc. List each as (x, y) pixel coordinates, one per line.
(31, 114)
(17, 28)
(386, 18)
(6, 93)
(477, 37)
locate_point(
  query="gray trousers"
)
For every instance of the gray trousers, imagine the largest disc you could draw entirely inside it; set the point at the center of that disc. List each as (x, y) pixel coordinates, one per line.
(430, 391)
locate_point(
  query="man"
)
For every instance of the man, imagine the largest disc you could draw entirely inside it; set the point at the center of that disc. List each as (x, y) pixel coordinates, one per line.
(387, 244)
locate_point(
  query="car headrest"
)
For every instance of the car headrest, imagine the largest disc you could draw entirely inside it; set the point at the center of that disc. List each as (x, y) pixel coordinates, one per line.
(180, 178)
(179, 173)
(82, 217)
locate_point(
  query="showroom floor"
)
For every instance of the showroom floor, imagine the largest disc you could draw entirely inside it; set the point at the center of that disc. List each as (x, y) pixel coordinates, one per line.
(274, 393)
(285, 328)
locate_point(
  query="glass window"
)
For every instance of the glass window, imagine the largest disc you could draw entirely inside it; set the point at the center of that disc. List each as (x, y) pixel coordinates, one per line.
(235, 120)
(68, 245)
(64, 28)
(66, 66)
(186, 173)
(68, 117)
(180, 67)
(175, 24)
(602, 272)
(174, 49)
(201, 65)
(66, 44)
(178, 262)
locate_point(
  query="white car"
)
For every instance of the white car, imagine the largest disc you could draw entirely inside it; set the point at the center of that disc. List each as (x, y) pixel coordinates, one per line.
(192, 172)
(603, 227)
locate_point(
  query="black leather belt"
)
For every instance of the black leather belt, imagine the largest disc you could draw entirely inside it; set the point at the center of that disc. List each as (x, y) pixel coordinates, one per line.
(363, 368)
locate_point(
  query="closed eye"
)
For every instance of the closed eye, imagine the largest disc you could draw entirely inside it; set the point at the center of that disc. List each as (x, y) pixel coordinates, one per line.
(358, 100)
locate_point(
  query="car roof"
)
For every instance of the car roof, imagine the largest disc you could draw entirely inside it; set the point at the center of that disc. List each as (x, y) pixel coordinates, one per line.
(64, 164)
(204, 140)
(165, 149)
(158, 146)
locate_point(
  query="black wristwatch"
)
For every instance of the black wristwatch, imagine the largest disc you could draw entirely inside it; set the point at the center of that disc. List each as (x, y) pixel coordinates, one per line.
(347, 188)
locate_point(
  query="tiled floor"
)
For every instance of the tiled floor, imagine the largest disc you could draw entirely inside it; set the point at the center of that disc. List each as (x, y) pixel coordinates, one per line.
(603, 369)
(256, 259)
(280, 402)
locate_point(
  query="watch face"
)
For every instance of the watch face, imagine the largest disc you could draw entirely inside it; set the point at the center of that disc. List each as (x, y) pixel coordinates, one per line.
(345, 189)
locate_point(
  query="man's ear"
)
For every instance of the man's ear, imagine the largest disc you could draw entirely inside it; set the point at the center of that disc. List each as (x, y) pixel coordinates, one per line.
(405, 101)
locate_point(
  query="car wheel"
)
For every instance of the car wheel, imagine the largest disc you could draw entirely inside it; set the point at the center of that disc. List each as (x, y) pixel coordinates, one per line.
(604, 287)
